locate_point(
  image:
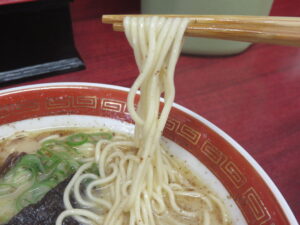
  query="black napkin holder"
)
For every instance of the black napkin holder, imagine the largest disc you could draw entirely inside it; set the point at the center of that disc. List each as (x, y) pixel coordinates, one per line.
(36, 38)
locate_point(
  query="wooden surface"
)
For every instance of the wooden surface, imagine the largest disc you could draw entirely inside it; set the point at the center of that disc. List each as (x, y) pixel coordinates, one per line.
(255, 29)
(254, 96)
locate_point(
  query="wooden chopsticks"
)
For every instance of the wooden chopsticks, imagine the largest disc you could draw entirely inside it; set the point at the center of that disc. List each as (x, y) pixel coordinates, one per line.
(256, 29)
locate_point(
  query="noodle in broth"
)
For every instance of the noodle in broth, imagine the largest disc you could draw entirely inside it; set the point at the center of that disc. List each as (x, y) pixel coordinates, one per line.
(137, 181)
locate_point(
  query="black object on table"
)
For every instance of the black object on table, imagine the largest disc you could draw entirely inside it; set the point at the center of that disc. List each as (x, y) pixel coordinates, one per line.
(36, 38)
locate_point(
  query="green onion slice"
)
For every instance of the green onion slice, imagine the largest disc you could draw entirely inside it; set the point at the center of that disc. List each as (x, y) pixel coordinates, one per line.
(77, 139)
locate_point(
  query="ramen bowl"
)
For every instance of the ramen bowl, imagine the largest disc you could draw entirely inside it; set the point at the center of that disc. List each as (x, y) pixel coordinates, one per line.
(221, 163)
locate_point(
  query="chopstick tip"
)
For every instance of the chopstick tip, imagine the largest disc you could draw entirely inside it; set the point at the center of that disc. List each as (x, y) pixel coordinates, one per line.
(107, 18)
(103, 18)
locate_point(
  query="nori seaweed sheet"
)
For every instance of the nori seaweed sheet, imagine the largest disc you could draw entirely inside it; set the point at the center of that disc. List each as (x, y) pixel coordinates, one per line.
(46, 211)
(10, 162)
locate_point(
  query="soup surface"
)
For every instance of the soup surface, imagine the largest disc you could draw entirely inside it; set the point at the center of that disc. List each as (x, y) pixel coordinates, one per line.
(32, 175)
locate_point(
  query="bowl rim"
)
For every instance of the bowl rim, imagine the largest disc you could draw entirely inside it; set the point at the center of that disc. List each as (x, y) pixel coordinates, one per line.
(277, 194)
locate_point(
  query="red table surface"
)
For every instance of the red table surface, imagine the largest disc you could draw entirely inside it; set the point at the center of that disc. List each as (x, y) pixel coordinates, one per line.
(253, 96)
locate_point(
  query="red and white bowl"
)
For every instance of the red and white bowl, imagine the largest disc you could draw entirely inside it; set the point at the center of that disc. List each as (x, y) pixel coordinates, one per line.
(224, 165)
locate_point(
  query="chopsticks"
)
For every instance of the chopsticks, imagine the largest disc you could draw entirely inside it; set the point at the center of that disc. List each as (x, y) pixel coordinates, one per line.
(256, 29)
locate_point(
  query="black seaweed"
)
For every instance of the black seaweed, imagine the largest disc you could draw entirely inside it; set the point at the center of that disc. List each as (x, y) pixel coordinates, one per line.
(46, 211)
(10, 162)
